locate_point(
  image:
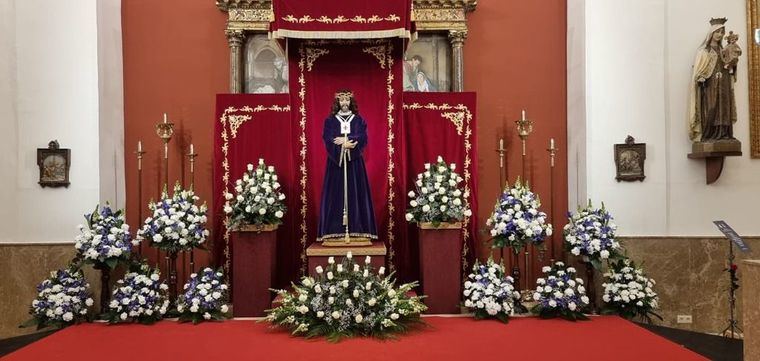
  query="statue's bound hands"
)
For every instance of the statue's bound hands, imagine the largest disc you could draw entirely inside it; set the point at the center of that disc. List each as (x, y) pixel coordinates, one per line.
(339, 140)
(351, 144)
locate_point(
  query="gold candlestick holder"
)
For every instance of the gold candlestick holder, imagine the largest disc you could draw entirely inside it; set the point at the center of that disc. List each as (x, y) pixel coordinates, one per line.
(524, 128)
(552, 153)
(140, 154)
(165, 130)
(191, 155)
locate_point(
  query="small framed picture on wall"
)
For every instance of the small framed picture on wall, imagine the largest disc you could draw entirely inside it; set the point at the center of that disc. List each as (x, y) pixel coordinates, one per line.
(54, 164)
(629, 160)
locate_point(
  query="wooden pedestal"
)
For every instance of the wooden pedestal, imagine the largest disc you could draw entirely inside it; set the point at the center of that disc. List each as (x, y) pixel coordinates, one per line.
(318, 255)
(440, 268)
(253, 264)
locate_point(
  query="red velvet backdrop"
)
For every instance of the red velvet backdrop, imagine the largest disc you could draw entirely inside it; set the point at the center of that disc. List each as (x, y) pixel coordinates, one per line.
(247, 128)
(439, 124)
(372, 70)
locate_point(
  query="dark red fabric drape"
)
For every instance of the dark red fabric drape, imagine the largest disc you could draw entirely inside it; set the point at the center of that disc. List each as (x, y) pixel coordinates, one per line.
(330, 19)
(286, 131)
(249, 127)
(372, 70)
(438, 124)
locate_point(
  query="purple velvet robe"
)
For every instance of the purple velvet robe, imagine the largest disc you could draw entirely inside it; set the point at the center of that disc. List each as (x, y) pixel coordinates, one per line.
(361, 215)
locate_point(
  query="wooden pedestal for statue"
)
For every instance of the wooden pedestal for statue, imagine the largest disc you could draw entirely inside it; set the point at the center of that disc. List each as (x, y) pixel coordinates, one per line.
(318, 254)
(253, 265)
(441, 267)
(714, 153)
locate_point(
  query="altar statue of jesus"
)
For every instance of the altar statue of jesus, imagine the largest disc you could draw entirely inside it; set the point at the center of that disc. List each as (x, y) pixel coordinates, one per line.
(346, 216)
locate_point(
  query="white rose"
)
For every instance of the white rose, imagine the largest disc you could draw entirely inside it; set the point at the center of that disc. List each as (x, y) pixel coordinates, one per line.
(319, 269)
(426, 208)
(262, 211)
(250, 167)
(394, 316)
(336, 315)
(224, 308)
(207, 315)
(358, 318)
(278, 214)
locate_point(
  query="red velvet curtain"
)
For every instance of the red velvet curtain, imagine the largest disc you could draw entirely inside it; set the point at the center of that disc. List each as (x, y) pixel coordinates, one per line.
(330, 19)
(249, 127)
(285, 130)
(372, 70)
(438, 124)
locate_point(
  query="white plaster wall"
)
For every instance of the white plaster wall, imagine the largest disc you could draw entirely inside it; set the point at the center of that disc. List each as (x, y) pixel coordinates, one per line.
(636, 71)
(49, 70)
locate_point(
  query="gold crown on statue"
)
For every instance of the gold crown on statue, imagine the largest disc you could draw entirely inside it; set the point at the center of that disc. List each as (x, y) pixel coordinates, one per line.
(718, 21)
(344, 95)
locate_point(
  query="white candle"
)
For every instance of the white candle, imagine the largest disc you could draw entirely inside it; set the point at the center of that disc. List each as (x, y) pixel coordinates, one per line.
(501, 143)
(523, 114)
(191, 148)
(551, 143)
(165, 118)
(139, 145)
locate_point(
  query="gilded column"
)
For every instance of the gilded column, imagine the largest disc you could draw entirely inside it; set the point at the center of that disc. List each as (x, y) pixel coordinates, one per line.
(235, 39)
(457, 42)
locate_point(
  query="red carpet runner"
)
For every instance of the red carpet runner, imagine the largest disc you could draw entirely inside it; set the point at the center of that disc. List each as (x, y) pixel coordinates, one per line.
(603, 338)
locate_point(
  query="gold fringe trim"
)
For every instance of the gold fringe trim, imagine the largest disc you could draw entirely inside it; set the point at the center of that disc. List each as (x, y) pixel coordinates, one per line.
(369, 34)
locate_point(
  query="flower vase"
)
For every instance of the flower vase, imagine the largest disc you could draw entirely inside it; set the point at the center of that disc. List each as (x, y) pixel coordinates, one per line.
(105, 289)
(441, 266)
(591, 286)
(254, 250)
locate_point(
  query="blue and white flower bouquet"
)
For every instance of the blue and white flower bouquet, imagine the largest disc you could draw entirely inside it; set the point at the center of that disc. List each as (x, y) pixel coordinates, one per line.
(138, 297)
(516, 220)
(347, 299)
(204, 297)
(439, 198)
(560, 294)
(629, 292)
(258, 198)
(62, 299)
(105, 240)
(489, 292)
(590, 233)
(177, 223)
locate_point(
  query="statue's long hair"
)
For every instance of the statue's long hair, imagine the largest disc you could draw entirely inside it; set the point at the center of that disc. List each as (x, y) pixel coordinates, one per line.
(351, 106)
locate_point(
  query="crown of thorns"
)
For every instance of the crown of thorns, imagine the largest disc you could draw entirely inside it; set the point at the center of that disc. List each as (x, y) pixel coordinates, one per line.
(344, 95)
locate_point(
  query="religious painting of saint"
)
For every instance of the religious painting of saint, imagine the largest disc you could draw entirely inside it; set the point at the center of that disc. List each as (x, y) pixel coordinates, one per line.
(629, 160)
(426, 65)
(54, 165)
(266, 66)
(346, 215)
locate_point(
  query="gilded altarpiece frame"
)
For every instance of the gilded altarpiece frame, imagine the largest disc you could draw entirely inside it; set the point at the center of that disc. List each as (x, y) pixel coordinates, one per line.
(753, 51)
(247, 17)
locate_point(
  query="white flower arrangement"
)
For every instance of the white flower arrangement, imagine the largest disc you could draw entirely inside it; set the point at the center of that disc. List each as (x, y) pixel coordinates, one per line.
(560, 294)
(204, 297)
(439, 197)
(489, 292)
(176, 223)
(105, 240)
(139, 297)
(258, 198)
(62, 299)
(590, 233)
(347, 299)
(516, 220)
(629, 292)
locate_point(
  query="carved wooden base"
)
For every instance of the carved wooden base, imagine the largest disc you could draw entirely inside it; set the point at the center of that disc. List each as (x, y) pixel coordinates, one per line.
(318, 254)
(714, 154)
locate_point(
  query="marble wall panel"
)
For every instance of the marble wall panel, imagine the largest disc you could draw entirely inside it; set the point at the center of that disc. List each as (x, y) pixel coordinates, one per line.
(691, 277)
(751, 295)
(23, 267)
